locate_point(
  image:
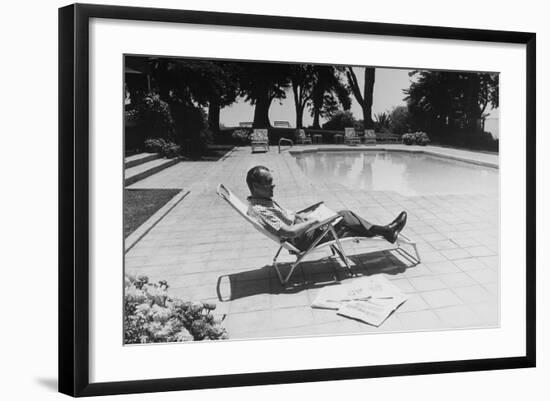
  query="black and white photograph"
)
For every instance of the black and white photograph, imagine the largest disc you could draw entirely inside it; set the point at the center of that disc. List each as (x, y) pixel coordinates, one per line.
(271, 200)
(244, 200)
(251, 200)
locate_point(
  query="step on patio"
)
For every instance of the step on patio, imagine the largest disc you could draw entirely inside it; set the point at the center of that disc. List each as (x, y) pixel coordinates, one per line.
(146, 169)
(140, 158)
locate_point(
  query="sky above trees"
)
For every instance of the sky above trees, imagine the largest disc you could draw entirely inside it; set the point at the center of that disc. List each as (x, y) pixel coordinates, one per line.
(388, 92)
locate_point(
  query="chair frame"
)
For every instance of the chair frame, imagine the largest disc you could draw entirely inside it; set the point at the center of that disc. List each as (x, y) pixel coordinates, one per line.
(351, 139)
(301, 137)
(335, 244)
(370, 137)
(263, 143)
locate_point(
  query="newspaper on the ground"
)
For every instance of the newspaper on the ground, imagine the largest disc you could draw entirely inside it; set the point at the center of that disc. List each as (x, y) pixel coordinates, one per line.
(368, 299)
(373, 311)
(360, 289)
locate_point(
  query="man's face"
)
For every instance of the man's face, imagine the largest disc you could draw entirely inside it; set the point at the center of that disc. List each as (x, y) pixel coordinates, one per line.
(264, 186)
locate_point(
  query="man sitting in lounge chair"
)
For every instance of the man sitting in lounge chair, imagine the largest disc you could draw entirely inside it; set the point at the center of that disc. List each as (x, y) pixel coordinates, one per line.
(293, 226)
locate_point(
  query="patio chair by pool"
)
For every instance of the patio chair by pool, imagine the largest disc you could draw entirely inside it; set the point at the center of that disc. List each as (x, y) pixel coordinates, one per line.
(301, 137)
(259, 139)
(370, 137)
(350, 137)
(335, 244)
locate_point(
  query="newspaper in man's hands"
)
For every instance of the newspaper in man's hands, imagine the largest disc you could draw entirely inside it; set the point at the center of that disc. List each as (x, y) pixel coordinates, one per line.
(321, 213)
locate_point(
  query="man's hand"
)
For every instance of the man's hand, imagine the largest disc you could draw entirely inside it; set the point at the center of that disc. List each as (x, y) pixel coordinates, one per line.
(301, 217)
(314, 219)
(305, 218)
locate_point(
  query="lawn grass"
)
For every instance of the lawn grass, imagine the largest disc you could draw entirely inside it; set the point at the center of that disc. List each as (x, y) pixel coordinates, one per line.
(140, 204)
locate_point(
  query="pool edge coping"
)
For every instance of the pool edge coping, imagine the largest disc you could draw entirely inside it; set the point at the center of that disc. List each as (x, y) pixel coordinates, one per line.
(389, 149)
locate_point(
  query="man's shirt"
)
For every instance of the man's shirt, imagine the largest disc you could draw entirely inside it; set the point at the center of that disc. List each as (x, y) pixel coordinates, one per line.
(269, 214)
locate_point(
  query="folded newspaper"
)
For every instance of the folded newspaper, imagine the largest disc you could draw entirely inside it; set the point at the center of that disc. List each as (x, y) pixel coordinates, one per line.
(373, 311)
(369, 299)
(321, 213)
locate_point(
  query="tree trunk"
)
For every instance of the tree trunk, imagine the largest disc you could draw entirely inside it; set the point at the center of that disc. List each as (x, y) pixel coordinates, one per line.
(163, 80)
(299, 116)
(214, 116)
(316, 119)
(261, 111)
(317, 104)
(367, 98)
(296, 90)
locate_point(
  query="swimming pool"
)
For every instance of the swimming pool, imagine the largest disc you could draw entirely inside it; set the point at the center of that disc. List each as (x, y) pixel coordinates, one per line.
(406, 173)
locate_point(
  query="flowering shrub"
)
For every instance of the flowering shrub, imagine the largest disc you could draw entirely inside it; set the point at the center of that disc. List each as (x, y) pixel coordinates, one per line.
(131, 115)
(162, 146)
(153, 115)
(419, 138)
(241, 135)
(151, 316)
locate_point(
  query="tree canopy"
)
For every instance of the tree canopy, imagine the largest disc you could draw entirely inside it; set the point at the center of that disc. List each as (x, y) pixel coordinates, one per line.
(446, 102)
(320, 87)
(193, 83)
(302, 78)
(328, 93)
(260, 84)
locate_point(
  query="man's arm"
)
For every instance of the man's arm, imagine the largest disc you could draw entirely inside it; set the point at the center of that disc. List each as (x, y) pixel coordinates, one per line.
(297, 229)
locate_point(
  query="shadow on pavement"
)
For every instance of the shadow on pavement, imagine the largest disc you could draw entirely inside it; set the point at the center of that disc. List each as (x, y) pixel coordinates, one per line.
(309, 274)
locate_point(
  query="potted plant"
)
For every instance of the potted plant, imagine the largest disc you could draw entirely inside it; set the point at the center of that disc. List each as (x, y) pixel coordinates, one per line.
(408, 138)
(415, 138)
(241, 136)
(422, 138)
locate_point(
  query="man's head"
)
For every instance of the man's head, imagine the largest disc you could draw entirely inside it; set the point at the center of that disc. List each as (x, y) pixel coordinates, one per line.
(260, 182)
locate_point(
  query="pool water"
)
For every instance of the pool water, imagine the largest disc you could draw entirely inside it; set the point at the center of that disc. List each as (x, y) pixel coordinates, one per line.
(406, 173)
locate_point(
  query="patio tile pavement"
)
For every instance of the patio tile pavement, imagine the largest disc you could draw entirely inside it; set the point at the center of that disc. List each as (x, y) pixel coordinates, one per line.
(207, 252)
(440, 298)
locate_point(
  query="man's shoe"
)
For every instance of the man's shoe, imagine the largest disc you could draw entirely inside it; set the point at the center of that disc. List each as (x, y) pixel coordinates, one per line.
(395, 227)
(399, 222)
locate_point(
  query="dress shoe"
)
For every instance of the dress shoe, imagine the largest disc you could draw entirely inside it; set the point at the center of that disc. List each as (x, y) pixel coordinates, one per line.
(395, 227)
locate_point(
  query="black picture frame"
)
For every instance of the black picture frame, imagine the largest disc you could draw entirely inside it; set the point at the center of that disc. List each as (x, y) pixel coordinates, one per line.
(74, 194)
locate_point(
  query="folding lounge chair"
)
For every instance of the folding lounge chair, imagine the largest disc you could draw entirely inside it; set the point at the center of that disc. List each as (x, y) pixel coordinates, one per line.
(259, 139)
(301, 137)
(350, 137)
(335, 244)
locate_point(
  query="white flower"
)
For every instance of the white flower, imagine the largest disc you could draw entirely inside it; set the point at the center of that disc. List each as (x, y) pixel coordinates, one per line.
(158, 295)
(143, 309)
(160, 314)
(135, 295)
(183, 335)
